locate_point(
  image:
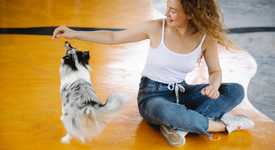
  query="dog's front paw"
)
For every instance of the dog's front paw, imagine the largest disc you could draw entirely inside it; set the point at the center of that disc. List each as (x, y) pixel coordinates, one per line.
(66, 139)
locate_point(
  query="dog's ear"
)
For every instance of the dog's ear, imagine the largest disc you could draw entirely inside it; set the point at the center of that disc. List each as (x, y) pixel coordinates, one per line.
(86, 55)
(68, 60)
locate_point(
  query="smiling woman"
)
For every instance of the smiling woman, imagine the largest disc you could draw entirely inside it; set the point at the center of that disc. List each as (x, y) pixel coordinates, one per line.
(192, 30)
(203, 17)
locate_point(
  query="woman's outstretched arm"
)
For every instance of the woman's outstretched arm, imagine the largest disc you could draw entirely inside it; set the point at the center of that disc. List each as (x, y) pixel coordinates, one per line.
(135, 33)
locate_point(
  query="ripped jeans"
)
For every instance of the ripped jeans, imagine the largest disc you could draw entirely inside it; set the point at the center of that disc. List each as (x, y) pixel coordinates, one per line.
(158, 105)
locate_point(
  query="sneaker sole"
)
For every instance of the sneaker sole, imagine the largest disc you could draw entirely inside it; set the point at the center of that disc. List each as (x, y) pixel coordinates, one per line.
(172, 137)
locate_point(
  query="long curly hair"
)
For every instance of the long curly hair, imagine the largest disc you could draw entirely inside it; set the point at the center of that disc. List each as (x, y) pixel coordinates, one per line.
(206, 18)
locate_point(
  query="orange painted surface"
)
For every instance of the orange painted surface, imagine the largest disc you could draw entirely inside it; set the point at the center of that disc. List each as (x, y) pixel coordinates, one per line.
(29, 96)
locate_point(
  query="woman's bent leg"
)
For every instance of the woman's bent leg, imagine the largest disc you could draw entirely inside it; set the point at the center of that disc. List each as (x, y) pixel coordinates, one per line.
(160, 111)
(231, 94)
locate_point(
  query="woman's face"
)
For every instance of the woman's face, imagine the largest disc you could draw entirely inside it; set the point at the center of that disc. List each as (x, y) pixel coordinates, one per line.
(176, 16)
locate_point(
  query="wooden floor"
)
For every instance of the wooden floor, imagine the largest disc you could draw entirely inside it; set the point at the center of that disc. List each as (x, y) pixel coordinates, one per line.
(30, 101)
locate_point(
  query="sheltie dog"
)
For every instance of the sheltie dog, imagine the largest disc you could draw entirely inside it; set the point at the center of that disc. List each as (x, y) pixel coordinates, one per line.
(83, 114)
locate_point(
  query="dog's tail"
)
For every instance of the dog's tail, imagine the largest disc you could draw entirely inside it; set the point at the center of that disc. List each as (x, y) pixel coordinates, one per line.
(114, 103)
(95, 119)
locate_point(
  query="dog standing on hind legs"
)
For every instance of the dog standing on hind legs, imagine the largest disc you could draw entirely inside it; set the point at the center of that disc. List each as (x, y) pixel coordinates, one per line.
(83, 114)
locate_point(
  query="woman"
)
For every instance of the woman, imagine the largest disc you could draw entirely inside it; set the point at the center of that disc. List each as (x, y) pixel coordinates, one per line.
(191, 30)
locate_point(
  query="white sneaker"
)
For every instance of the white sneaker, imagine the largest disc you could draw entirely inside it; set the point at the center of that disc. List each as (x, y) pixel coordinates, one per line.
(237, 122)
(173, 137)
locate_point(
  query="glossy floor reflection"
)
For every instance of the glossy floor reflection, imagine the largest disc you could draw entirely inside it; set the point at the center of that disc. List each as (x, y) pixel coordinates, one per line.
(30, 101)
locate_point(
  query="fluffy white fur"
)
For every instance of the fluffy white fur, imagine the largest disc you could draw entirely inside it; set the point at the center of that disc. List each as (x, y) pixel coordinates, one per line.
(91, 121)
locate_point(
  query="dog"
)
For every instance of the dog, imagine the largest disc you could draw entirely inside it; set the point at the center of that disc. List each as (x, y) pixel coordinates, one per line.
(83, 114)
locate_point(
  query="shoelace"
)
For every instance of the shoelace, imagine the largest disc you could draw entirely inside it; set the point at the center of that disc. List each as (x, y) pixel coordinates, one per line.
(176, 87)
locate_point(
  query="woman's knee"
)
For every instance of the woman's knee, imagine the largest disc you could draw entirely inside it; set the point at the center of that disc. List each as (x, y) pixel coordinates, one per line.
(153, 107)
(163, 110)
(235, 92)
(159, 109)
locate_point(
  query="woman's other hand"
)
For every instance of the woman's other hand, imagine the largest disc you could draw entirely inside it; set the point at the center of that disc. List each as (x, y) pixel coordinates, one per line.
(211, 92)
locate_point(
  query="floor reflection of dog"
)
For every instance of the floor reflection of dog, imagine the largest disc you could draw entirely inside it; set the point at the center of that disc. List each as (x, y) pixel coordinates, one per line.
(83, 115)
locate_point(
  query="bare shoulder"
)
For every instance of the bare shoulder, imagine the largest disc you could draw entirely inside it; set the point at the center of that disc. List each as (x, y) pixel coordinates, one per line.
(136, 32)
(153, 26)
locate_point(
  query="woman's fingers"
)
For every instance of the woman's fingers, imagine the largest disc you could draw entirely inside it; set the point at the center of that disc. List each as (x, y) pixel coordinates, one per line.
(215, 94)
(210, 92)
(63, 31)
(203, 91)
(58, 32)
(55, 32)
(207, 91)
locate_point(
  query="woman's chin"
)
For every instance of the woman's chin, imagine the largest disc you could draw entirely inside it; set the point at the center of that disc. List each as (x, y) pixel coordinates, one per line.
(171, 24)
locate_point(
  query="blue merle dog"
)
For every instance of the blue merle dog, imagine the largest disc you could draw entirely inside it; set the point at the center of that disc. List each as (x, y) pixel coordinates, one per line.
(83, 114)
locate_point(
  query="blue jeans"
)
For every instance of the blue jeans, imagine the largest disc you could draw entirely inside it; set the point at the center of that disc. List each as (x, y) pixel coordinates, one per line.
(157, 105)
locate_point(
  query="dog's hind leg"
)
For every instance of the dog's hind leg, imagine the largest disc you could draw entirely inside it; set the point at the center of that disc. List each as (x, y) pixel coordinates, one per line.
(66, 139)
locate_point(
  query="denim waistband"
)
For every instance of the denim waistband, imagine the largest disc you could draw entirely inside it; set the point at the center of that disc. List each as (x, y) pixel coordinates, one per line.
(176, 87)
(146, 80)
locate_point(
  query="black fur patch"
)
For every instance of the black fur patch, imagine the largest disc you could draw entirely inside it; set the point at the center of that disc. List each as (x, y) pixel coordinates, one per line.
(69, 61)
(82, 56)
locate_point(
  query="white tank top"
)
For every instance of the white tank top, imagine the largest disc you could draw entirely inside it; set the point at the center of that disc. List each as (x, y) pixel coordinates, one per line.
(164, 65)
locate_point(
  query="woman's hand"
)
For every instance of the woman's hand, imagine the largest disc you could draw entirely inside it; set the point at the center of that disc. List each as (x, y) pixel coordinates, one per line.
(211, 92)
(65, 32)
